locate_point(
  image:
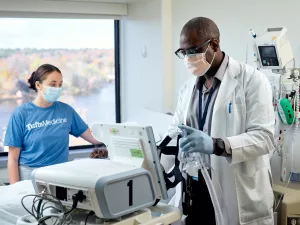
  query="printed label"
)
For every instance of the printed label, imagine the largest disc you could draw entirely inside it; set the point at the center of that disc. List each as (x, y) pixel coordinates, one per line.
(137, 153)
(114, 131)
(45, 123)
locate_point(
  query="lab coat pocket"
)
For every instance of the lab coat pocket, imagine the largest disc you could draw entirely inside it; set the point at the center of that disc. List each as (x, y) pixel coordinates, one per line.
(255, 195)
(236, 114)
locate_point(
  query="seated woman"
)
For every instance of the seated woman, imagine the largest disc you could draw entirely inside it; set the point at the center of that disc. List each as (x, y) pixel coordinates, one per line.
(38, 132)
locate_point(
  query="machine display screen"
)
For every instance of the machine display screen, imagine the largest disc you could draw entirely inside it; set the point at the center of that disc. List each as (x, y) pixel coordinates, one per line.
(268, 56)
(267, 51)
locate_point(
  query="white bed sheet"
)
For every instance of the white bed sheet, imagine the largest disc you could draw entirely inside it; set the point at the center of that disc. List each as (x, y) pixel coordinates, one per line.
(10, 201)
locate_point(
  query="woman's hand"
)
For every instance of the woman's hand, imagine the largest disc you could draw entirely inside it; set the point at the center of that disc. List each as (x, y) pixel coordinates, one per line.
(100, 151)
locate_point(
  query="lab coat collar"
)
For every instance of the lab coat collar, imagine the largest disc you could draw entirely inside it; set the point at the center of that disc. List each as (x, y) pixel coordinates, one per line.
(228, 83)
(234, 68)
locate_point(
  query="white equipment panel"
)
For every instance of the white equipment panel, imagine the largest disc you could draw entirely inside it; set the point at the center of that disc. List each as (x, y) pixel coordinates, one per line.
(133, 145)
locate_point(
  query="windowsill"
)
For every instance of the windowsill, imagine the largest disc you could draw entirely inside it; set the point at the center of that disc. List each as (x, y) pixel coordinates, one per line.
(73, 154)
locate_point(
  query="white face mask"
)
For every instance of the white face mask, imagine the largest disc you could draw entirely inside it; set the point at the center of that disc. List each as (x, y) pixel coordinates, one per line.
(197, 63)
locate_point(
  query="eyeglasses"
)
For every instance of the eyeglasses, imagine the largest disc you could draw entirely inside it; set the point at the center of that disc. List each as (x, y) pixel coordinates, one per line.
(181, 53)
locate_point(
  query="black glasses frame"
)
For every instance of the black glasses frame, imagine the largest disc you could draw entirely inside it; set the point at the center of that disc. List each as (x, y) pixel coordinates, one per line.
(181, 53)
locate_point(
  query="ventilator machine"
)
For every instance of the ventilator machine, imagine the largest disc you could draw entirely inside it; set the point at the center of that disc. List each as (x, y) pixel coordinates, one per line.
(122, 190)
(273, 51)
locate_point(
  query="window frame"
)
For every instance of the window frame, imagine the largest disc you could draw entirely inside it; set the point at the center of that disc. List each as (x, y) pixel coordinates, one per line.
(117, 86)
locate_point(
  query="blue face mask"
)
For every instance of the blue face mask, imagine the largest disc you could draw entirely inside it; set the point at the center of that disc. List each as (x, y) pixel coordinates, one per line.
(51, 94)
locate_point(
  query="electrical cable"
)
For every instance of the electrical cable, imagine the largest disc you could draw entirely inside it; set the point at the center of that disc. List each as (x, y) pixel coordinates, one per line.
(38, 208)
(78, 197)
(37, 213)
(22, 202)
(43, 200)
(285, 133)
(65, 217)
(42, 220)
(88, 215)
(33, 208)
(48, 207)
(74, 206)
(55, 223)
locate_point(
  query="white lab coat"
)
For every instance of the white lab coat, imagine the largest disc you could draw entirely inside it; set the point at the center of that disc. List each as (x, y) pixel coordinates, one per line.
(244, 178)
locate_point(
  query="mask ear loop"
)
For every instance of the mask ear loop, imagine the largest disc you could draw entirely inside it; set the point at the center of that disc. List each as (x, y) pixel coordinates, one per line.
(40, 90)
(206, 49)
(213, 56)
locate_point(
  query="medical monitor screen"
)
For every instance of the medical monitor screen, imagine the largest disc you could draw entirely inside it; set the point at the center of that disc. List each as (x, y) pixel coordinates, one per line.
(268, 56)
(267, 51)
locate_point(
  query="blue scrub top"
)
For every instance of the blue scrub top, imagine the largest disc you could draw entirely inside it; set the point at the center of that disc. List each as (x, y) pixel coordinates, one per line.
(42, 134)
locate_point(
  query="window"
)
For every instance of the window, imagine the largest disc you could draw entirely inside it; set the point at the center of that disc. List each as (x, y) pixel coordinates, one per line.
(84, 50)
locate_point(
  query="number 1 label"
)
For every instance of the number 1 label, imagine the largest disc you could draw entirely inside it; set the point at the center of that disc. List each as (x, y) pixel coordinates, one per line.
(129, 184)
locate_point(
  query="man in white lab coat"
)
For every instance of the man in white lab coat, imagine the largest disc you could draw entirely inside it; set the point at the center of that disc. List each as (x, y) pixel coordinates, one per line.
(226, 109)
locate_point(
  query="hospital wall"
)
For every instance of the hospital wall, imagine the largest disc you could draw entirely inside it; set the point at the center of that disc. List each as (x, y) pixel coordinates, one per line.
(141, 58)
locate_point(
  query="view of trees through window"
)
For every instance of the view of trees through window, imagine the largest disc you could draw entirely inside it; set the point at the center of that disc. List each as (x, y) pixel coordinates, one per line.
(82, 49)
